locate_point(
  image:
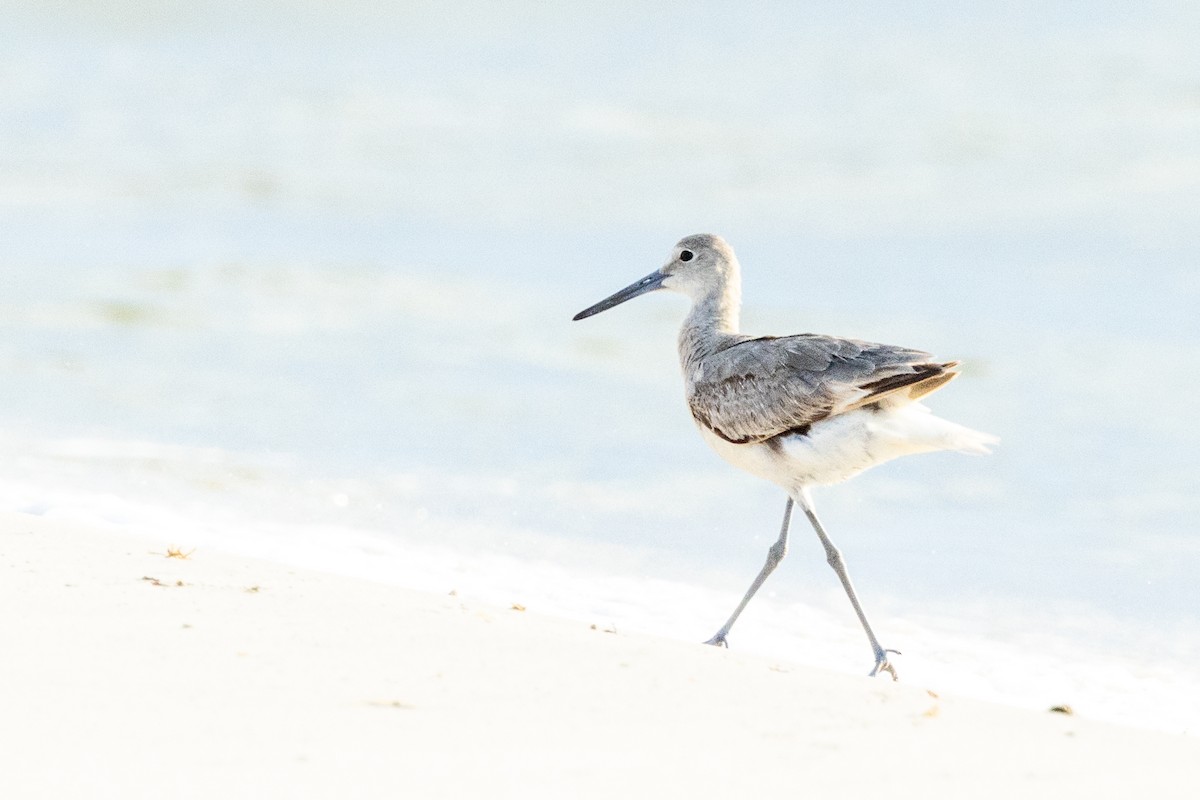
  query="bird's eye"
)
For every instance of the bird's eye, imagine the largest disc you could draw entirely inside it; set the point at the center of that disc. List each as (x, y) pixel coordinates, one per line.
(685, 255)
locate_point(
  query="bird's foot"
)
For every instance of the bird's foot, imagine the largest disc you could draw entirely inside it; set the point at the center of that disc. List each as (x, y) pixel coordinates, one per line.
(882, 664)
(718, 640)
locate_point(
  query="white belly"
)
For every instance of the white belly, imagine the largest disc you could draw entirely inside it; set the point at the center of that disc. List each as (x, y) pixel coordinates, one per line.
(842, 446)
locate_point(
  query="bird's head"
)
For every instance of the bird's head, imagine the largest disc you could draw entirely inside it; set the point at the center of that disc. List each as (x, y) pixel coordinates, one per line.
(699, 265)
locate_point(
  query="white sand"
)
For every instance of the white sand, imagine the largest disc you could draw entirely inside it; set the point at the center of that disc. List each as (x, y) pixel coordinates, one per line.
(257, 680)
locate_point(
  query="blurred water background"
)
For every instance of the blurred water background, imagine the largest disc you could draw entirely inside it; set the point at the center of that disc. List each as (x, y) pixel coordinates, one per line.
(296, 280)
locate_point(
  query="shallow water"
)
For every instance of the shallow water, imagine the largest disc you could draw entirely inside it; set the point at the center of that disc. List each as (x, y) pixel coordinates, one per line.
(299, 282)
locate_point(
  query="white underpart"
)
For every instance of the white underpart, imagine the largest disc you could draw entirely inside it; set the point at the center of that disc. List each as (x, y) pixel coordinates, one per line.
(842, 446)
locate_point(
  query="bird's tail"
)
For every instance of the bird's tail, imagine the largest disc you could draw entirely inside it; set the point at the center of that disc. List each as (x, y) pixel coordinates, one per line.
(927, 431)
(972, 441)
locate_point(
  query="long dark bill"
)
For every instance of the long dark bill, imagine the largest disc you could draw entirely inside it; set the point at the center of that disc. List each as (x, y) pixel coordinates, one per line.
(647, 284)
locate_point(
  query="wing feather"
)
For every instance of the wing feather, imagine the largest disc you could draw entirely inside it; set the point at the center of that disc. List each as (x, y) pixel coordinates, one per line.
(758, 388)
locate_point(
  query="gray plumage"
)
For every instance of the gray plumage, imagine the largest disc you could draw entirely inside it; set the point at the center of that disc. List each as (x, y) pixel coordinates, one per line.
(758, 388)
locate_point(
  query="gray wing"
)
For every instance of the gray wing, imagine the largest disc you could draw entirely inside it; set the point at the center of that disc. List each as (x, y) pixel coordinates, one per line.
(760, 388)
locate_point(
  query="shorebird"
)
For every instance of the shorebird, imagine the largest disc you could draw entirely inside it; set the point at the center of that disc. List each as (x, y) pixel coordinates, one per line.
(799, 411)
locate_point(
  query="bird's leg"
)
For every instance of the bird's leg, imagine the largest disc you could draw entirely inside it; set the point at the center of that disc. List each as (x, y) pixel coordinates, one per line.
(774, 556)
(834, 557)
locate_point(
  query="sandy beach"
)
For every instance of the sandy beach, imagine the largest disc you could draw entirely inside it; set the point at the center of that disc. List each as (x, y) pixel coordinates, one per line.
(128, 673)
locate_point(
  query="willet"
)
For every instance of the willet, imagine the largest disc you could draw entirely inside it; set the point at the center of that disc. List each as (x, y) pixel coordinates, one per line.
(799, 411)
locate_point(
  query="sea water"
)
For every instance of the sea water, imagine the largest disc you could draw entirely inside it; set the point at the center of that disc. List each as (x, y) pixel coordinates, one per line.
(296, 281)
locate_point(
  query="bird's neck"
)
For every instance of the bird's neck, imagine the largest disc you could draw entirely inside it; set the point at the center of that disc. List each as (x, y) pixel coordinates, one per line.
(713, 319)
